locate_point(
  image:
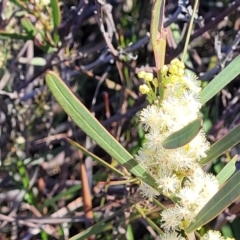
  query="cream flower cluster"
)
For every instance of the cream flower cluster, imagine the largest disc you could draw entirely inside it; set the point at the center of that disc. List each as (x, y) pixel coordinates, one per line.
(177, 171)
(210, 235)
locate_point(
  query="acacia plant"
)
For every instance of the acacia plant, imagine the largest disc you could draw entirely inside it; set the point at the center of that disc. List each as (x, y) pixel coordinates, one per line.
(172, 158)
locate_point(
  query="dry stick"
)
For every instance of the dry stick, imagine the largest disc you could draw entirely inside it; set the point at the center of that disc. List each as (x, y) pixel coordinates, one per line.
(229, 54)
(27, 48)
(207, 27)
(107, 9)
(55, 218)
(227, 58)
(110, 83)
(41, 71)
(100, 82)
(16, 203)
(102, 28)
(106, 104)
(86, 193)
(20, 222)
(100, 61)
(34, 145)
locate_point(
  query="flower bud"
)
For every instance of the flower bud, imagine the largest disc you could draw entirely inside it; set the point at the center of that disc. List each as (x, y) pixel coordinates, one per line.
(181, 65)
(144, 89)
(173, 69)
(181, 72)
(148, 77)
(155, 82)
(141, 74)
(164, 70)
(173, 78)
(175, 61)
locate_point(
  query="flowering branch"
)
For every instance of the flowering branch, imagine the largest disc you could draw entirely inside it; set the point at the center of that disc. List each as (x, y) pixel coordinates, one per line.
(177, 171)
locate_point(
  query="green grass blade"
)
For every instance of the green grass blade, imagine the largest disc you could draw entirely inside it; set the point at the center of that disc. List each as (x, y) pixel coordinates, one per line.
(221, 200)
(183, 136)
(221, 80)
(99, 227)
(130, 232)
(84, 119)
(18, 36)
(66, 194)
(29, 27)
(186, 45)
(95, 229)
(56, 14)
(153, 225)
(22, 170)
(94, 157)
(227, 171)
(221, 146)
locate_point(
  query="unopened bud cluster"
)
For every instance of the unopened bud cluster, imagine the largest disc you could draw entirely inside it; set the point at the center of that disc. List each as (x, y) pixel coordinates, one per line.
(177, 171)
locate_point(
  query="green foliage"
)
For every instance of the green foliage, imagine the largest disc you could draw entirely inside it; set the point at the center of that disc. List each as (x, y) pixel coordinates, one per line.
(84, 119)
(221, 146)
(221, 80)
(183, 136)
(227, 171)
(220, 201)
(44, 31)
(40, 146)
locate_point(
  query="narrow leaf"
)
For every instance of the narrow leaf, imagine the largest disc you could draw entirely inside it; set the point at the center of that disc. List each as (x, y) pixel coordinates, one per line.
(227, 171)
(93, 230)
(84, 119)
(38, 61)
(56, 18)
(4, 34)
(221, 80)
(220, 201)
(94, 157)
(221, 146)
(156, 16)
(100, 227)
(106, 224)
(183, 136)
(29, 27)
(56, 13)
(62, 195)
